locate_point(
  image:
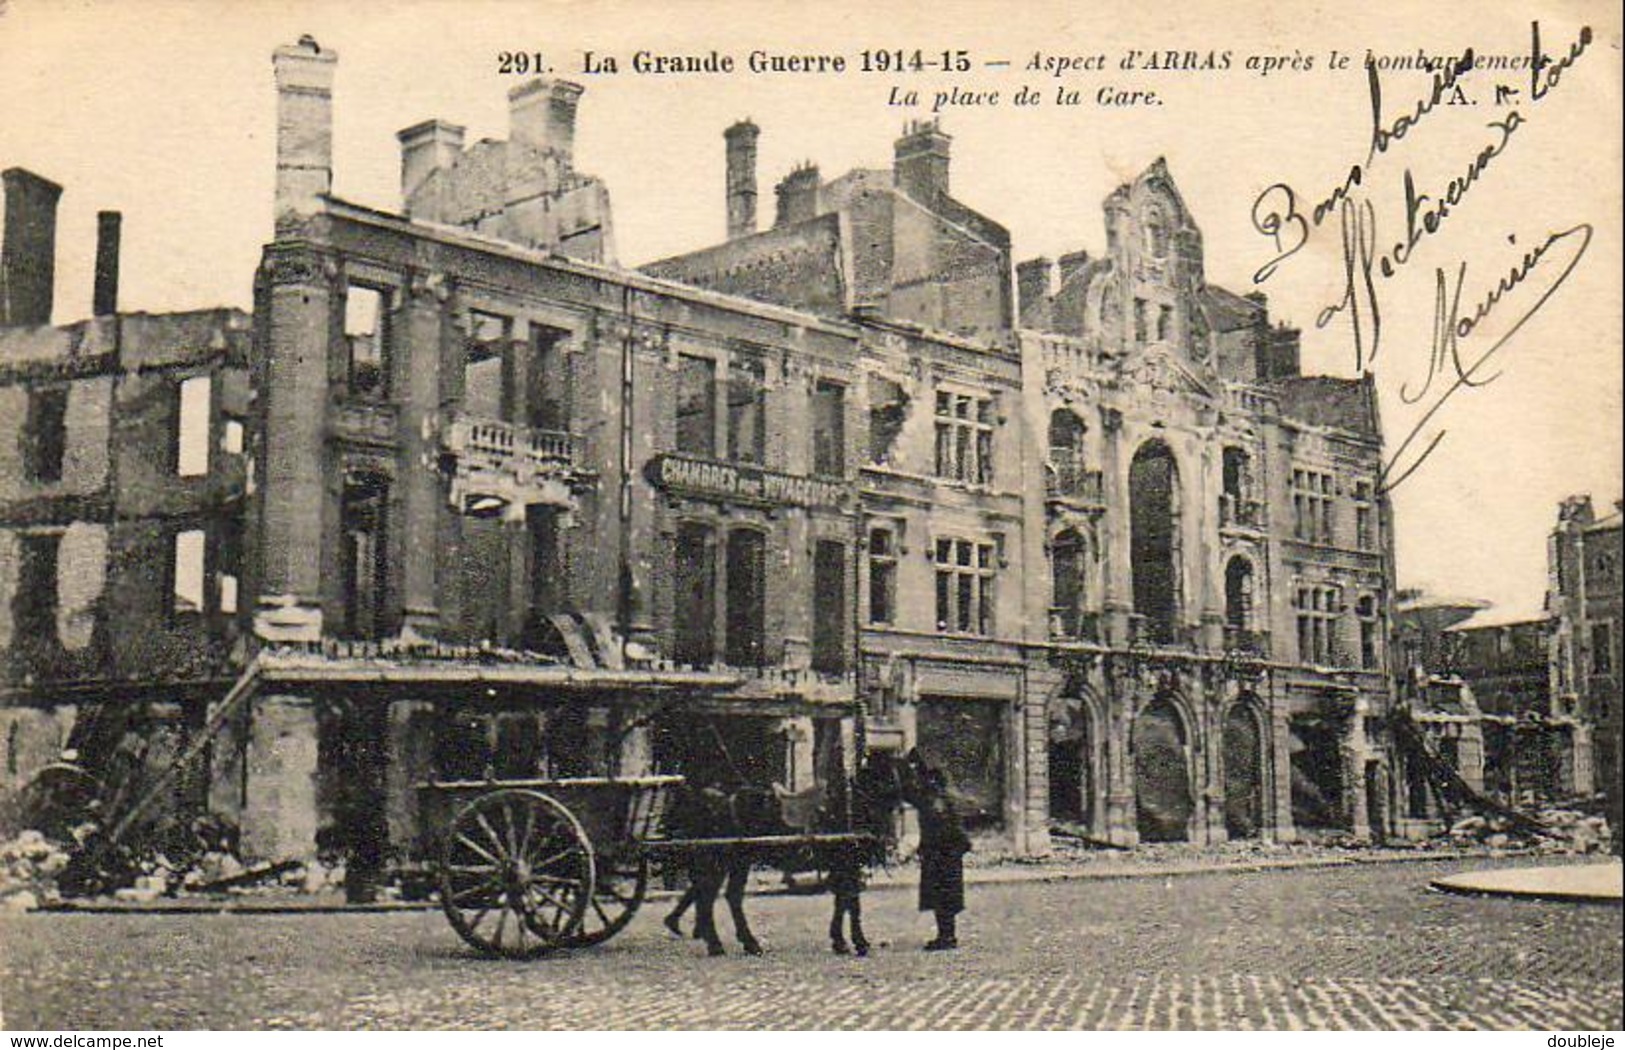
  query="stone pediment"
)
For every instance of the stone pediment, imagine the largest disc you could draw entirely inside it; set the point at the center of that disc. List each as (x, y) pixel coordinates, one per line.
(1159, 371)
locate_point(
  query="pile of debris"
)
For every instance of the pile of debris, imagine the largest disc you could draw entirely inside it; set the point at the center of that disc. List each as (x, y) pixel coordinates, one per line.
(29, 866)
(1560, 831)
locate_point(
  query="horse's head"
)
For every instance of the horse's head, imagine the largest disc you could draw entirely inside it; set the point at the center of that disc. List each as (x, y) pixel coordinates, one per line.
(878, 791)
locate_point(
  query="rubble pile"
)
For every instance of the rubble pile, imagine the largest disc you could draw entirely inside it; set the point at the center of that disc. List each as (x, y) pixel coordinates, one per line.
(1560, 831)
(29, 866)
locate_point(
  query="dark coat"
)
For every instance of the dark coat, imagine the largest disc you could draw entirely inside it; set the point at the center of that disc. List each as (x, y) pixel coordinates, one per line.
(943, 845)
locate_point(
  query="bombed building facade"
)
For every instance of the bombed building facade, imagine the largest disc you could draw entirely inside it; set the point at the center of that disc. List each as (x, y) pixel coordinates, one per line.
(1524, 704)
(476, 501)
(1219, 552)
(123, 480)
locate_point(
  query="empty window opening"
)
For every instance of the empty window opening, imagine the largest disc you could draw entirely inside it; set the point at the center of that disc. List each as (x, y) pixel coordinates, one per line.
(363, 554)
(1238, 594)
(232, 436)
(888, 408)
(367, 341)
(1066, 438)
(747, 412)
(547, 392)
(1317, 774)
(1154, 539)
(187, 572)
(231, 564)
(696, 406)
(1068, 567)
(485, 365)
(192, 426)
(1243, 774)
(829, 428)
(694, 606)
(34, 605)
(747, 606)
(829, 645)
(1163, 803)
(45, 433)
(547, 584)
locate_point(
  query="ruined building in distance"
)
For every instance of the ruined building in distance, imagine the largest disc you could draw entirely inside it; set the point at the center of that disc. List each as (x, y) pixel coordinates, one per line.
(467, 499)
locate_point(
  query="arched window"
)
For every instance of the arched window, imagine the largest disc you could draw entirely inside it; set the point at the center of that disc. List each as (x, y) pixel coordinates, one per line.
(1154, 540)
(1235, 503)
(1068, 564)
(1238, 605)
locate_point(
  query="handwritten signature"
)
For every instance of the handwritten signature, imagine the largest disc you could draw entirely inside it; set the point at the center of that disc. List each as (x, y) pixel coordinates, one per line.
(1277, 214)
(1451, 327)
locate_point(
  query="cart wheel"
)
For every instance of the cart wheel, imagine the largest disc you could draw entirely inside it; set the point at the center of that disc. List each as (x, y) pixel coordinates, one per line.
(617, 892)
(516, 874)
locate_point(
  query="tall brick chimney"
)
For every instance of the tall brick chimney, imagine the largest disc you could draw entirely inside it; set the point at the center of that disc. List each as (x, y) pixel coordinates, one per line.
(920, 160)
(425, 149)
(798, 195)
(104, 300)
(28, 256)
(741, 144)
(542, 113)
(304, 126)
(1033, 280)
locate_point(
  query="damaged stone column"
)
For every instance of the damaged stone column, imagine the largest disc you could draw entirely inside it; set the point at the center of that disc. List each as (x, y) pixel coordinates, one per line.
(279, 820)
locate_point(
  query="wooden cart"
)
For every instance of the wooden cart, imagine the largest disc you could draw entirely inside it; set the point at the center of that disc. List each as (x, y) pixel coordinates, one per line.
(526, 867)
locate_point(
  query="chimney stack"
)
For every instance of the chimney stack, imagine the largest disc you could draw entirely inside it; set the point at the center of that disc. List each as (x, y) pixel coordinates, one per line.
(920, 160)
(741, 140)
(798, 195)
(105, 300)
(304, 131)
(425, 149)
(1033, 280)
(542, 113)
(28, 256)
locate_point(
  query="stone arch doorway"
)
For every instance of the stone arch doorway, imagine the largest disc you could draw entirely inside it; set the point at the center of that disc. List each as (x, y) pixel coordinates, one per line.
(1073, 768)
(1163, 802)
(1243, 773)
(1154, 539)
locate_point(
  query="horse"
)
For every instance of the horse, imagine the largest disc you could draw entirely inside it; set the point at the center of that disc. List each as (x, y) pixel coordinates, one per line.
(715, 811)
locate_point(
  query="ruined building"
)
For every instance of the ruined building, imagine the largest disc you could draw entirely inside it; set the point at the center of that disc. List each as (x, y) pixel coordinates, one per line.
(474, 501)
(124, 467)
(1220, 553)
(944, 472)
(1202, 557)
(1524, 705)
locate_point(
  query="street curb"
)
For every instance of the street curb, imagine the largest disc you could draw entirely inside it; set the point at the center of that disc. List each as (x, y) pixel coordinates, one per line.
(973, 876)
(1541, 884)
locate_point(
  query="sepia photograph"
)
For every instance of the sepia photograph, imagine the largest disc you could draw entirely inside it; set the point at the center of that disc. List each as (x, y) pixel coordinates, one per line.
(607, 515)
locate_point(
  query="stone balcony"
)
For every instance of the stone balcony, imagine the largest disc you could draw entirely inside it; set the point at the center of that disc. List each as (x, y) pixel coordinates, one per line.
(1238, 513)
(500, 468)
(1073, 485)
(1245, 642)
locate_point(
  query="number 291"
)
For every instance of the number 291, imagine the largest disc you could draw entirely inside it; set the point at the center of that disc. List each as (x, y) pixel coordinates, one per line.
(519, 63)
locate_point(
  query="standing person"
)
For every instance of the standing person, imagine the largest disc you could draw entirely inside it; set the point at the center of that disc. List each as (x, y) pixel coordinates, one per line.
(943, 845)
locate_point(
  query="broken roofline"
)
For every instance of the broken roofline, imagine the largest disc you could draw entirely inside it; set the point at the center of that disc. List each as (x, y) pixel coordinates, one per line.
(634, 279)
(638, 280)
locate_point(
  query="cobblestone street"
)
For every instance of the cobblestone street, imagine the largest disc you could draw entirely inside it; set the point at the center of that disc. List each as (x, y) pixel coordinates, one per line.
(1366, 946)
